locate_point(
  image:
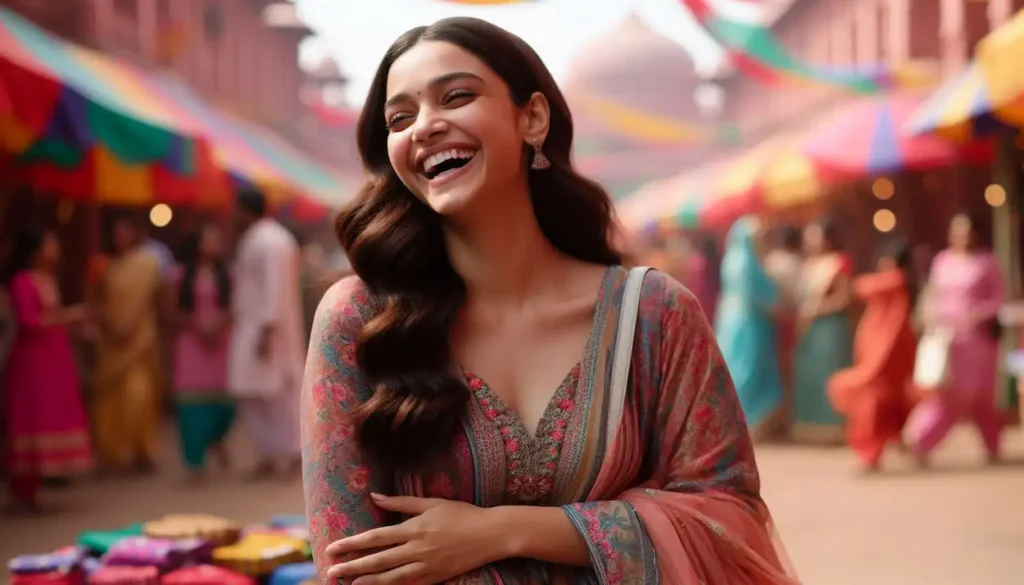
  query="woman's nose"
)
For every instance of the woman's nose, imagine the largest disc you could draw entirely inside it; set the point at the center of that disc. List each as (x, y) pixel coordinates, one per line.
(427, 126)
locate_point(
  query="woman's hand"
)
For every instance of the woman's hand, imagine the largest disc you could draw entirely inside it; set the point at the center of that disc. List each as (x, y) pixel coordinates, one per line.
(74, 314)
(442, 540)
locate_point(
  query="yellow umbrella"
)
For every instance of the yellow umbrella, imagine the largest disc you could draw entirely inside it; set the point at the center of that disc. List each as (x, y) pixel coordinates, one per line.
(775, 170)
(790, 180)
(999, 56)
(987, 97)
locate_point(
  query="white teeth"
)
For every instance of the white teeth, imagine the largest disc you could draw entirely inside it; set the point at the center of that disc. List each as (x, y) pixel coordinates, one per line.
(435, 159)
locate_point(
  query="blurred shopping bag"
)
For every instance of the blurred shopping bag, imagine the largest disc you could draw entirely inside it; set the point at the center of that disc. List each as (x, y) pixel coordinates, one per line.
(931, 366)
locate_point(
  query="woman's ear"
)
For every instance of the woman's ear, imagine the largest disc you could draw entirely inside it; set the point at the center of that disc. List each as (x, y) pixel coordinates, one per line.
(535, 119)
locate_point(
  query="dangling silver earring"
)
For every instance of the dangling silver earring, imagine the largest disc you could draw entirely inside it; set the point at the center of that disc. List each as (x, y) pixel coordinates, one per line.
(540, 161)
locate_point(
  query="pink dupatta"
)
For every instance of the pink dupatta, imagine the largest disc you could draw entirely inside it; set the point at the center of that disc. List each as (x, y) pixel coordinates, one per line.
(701, 509)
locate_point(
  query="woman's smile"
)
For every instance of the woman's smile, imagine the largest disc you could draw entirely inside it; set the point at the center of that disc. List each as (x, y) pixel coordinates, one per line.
(449, 166)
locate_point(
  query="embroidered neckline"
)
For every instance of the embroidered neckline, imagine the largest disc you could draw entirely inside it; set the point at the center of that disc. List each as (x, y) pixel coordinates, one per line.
(531, 460)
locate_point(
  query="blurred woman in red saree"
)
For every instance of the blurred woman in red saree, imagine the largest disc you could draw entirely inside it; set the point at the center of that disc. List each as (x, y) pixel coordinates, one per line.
(46, 428)
(460, 423)
(875, 395)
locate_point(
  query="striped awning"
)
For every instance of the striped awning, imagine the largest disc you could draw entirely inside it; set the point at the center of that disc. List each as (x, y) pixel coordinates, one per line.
(140, 100)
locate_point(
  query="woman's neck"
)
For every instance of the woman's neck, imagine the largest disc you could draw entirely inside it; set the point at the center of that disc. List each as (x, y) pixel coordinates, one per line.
(501, 252)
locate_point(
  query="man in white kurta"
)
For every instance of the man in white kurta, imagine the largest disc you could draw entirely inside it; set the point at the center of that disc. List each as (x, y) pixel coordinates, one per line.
(265, 361)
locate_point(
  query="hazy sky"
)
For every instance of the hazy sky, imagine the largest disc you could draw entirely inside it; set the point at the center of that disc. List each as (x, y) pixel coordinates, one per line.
(358, 32)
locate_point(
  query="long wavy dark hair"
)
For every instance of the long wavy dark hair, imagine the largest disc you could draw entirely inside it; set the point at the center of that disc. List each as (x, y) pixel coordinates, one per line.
(190, 258)
(396, 245)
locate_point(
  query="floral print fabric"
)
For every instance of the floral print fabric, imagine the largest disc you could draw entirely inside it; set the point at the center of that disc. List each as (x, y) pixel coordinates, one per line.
(681, 424)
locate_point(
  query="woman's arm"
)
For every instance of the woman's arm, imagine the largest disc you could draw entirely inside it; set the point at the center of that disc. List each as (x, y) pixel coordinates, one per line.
(542, 533)
(869, 285)
(27, 310)
(992, 292)
(839, 296)
(170, 309)
(336, 477)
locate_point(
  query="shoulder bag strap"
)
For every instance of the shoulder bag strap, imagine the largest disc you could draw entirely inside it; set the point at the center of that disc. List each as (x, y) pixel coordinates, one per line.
(624, 335)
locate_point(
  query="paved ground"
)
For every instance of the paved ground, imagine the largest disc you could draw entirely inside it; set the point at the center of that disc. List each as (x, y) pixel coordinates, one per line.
(959, 524)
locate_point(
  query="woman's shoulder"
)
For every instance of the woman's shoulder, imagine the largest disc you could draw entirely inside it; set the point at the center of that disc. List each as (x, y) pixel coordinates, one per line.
(19, 278)
(663, 295)
(344, 308)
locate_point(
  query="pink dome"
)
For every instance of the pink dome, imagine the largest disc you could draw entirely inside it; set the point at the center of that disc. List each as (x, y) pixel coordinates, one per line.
(637, 67)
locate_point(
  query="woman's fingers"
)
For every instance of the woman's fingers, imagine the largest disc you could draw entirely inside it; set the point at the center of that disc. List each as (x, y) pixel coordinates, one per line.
(378, 562)
(377, 538)
(411, 574)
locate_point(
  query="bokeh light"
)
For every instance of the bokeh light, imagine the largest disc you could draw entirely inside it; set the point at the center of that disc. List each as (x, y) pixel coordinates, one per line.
(883, 189)
(995, 195)
(161, 215)
(884, 220)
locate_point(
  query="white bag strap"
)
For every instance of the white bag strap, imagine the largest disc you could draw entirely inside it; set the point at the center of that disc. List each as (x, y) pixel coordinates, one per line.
(623, 355)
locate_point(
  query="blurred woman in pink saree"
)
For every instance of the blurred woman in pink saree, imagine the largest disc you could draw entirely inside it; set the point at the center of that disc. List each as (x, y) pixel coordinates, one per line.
(46, 430)
(471, 421)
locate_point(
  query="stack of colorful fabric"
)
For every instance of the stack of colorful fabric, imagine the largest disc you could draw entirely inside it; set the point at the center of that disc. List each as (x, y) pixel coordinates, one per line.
(178, 550)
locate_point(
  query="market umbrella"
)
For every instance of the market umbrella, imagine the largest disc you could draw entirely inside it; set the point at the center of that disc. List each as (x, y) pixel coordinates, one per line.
(791, 179)
(961, 110)
(775, 173)
(867, 139)
(66, 111)
(999, 56)
(304, 210)
(71, 132)
(687, 213)
(687, 196)
(987, 98)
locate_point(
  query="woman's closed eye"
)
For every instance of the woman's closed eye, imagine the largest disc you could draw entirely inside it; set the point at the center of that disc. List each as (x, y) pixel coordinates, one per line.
(395, 121)
(457, 97)
(453, 99)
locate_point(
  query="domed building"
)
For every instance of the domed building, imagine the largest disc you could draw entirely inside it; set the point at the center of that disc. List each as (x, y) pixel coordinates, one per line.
(631, 91)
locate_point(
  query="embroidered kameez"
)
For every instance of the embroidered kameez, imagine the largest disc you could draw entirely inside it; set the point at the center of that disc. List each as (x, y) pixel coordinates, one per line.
(205, 410)
(668, 491)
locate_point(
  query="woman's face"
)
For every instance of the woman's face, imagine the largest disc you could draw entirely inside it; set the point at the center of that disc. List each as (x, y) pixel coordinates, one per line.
(814, 239)
(125, 235)
(454, 133)
(961, 233)
(211, 244)
(49, 251)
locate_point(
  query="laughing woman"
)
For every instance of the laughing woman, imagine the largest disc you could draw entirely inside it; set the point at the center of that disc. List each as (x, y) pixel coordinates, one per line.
(461, 422)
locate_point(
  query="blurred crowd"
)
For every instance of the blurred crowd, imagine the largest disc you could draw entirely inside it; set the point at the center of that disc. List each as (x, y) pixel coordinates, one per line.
(896, 355)
(209, 330)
